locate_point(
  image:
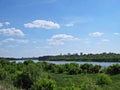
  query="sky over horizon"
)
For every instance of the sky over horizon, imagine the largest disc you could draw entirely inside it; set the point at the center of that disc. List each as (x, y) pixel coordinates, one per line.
(49, 27)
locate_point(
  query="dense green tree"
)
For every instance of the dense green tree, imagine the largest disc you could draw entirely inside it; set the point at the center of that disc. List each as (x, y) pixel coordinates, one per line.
(61, 68)
(106, 57)
(27, 62)
(73, 68)
(114, 69)
(96, 69)
(87, 68)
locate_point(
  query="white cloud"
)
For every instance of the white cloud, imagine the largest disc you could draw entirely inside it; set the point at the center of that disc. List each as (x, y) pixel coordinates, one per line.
(55, 42)
(11, 31)
(116, 33)
(7, 23)
(69, 25)
(1, 24)
(8, 40)
(42, 24)
(96, 34)
(22, 41)
(105, 40)
(63, 37)
(60, 38)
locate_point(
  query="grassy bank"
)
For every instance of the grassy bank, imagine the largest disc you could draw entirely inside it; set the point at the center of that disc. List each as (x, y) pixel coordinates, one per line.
(64, 80)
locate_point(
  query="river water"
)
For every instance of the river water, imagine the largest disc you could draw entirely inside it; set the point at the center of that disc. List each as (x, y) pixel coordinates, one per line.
(104, 64)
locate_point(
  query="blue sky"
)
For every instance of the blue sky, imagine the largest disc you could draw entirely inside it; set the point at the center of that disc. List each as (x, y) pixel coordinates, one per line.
(50, 27)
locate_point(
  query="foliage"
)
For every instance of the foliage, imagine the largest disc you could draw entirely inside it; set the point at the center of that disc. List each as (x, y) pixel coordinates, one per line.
(96, 69)
(113, 69)
(104, 79)
(73, 68)
(106, 57)
(3, 75)
(27, 62)
(28, 75)
(89, 85)
(86, 68)
(23, 80)
(44, 84)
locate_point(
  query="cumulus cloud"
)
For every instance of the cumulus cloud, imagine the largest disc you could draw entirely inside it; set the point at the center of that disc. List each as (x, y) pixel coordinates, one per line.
(1, 24)
(96, 34)
(8, 40)
(42, 24)
(4, 23)
(11, 31)
(69, 25)
(7, 23)
(59, 39)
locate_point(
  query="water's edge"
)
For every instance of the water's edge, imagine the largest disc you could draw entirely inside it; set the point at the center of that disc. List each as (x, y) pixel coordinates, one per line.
(104, 64)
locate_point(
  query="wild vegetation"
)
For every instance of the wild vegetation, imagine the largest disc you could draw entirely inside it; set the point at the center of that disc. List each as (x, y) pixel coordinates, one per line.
(103, 57)
(47, 76)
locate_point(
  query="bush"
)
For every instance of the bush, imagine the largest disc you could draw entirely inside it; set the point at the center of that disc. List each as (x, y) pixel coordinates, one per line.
(3, 75)
(61, 68)
(73, 68)
(44, 84)
(103, 79)
(87, 68)
(23, 80)
(96, 69)
(113, 69)
(28, 62)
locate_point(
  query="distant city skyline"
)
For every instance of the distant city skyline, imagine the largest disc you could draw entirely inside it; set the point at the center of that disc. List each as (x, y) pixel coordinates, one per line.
(32, 28)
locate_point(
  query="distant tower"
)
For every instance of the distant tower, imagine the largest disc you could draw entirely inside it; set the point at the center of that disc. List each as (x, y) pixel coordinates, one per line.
(68, 54)
(60, 54)
(81, 53)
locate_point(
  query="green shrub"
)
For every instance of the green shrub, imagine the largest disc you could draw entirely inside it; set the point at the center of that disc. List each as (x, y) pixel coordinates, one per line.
(96, 69)
(61, 69)
(73, 68)
(26, 62)
(113, 69)
(103, 79)
(44, 84)
(23, 80)
(87, 68)
(3, 75)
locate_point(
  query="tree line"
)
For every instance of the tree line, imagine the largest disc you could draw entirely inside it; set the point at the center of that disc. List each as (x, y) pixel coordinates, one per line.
(103, 57)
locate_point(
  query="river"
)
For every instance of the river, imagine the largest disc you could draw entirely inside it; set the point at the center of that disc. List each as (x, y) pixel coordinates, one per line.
(104, 64)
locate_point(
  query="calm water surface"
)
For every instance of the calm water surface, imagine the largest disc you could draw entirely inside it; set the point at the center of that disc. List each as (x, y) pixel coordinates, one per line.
(104, 64)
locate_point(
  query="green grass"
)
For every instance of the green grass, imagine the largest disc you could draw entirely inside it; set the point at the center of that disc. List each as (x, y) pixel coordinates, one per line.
(63, 80)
